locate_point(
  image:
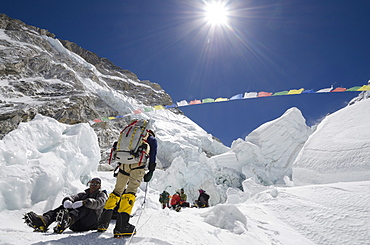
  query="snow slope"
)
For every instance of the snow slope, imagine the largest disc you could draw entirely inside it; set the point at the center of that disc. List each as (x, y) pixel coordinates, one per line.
(339, 150)
(317, 214)
(44, 160)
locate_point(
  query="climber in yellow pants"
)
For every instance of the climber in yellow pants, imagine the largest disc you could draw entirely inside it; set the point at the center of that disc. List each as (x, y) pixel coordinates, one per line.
(128, 181)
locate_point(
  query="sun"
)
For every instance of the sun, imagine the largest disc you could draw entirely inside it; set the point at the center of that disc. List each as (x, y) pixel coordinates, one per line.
(216, 13)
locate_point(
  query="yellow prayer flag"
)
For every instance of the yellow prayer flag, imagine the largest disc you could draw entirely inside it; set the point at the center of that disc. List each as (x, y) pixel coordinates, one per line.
(296, 91)
(221, 99)
(158, 107)
(364, 88)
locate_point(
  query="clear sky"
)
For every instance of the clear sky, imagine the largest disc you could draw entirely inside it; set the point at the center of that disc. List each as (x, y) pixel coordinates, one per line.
(262, 45)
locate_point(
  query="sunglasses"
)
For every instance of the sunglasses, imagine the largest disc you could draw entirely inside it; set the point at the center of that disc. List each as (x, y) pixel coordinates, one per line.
(94, 183)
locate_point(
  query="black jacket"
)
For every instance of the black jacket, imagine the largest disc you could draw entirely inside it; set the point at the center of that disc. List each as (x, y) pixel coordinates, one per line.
(95, 200)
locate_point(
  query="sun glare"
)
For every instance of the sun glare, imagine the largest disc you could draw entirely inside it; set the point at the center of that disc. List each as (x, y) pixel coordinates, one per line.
(216, 13)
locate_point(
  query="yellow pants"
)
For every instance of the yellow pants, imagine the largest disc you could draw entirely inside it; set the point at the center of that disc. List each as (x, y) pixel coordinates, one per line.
(128, 183)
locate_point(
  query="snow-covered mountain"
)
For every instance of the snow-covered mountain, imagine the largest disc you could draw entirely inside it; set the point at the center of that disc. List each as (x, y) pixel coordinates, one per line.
(54, 88)
(40, 74)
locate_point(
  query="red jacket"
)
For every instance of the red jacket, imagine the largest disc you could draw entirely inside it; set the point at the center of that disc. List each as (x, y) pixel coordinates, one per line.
(175, 199)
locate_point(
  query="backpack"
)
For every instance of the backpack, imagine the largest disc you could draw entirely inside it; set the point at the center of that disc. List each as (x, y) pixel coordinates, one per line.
(131, 145)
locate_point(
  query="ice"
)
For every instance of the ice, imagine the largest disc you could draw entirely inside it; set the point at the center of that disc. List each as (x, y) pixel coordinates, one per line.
(283, 184)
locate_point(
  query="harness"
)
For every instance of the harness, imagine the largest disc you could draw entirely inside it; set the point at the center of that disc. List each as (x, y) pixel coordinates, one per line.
(119, 170)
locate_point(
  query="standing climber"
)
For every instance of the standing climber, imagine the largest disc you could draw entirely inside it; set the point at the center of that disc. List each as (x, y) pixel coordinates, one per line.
(129, 177)
(164, 199)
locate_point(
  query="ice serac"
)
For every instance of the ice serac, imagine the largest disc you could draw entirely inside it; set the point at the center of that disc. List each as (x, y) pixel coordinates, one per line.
(339, 150)
(267, 154)
(43, 155)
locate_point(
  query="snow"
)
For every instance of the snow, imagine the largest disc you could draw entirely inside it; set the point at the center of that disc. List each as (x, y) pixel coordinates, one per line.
(317, 184)
(55, 43)
(44, 155)
(339, 150)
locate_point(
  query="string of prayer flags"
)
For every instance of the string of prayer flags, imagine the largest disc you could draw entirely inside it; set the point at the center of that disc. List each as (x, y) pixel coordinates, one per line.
(246, 95)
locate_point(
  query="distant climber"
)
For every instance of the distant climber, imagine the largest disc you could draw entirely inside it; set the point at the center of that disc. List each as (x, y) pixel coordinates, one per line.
(183, 198)
(202, 200)
(164, 199)
(175, 201)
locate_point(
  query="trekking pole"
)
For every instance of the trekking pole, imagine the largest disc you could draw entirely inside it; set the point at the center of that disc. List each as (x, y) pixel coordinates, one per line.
(146, 190)
(142, 207)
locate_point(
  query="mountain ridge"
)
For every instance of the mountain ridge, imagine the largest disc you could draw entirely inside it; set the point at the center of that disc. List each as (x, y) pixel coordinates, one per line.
(37, 76)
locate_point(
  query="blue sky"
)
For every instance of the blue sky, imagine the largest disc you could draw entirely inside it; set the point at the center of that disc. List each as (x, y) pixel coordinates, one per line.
(266, 45)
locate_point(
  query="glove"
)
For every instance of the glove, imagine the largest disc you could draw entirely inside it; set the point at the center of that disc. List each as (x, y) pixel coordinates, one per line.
(151, 166)
(77, 204)
(148, 176)
(67, 204)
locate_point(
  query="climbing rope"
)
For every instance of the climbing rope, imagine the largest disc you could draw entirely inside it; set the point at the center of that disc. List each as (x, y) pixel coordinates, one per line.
(142, 208)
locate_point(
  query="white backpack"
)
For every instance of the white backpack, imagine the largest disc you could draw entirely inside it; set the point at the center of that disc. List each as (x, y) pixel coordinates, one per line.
(132, 146)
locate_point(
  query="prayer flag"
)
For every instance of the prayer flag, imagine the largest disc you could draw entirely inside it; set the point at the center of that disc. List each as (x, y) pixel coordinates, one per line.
(208, 100)
(158, 107)
(250, 95)
(281, 93)
(221, 99)
(138, 111)
(356, 88)
(339, 90)
(195, 102)
(324, 90)
(296, 91)
(182, 103)
(308, 91)
(97, 120)
(148, 109)
(170, 106)
(365, 88)
(264, 94)
(237, 97)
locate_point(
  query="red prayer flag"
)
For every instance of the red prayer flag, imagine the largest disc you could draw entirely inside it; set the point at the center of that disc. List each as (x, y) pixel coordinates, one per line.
(138, 111)
(339, 90)
(264, 94)
(194, 102)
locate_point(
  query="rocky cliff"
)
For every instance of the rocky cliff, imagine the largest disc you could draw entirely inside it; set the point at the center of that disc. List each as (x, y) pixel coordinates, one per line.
(41, 74)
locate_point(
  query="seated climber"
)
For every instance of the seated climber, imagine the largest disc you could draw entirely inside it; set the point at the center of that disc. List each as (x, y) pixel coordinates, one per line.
(175, 201)
(79, 212)
(202, 200)
(183, 198)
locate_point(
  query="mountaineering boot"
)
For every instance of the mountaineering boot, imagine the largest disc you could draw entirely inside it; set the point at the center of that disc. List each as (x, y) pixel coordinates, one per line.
(123, 228)
(105, 218)
(128, 230)
(38, 222)
(64, 220)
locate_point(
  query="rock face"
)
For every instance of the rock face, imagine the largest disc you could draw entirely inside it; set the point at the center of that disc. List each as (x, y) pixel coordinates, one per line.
(56, 78)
